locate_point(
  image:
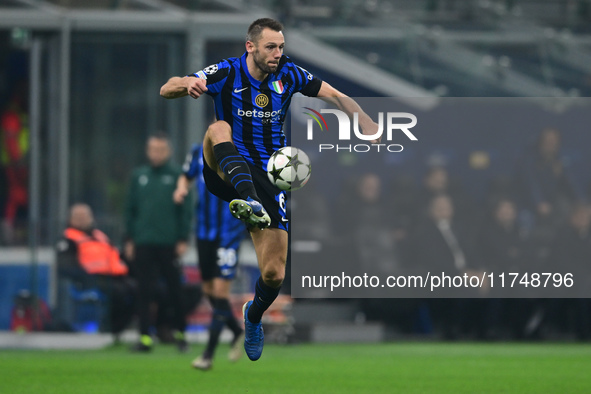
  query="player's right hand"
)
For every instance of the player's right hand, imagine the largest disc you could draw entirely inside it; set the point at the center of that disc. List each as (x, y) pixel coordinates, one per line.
(196, 87)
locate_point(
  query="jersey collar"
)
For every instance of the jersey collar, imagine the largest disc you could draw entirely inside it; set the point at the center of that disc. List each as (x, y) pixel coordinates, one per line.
(254, 82)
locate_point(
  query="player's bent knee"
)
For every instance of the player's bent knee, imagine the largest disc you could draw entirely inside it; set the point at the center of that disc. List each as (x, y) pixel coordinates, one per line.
(218, 132)
(273, 278)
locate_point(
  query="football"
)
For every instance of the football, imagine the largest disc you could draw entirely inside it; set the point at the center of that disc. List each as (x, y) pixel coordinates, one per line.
(289, 168)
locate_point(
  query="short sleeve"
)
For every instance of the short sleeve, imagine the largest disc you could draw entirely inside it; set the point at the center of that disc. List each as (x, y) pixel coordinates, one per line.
(307, 84)
(215, 75)
(192, 166)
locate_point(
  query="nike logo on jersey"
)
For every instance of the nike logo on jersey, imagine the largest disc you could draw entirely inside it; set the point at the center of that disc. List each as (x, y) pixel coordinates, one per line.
(232, 170)
(284, 220)
(240, 90)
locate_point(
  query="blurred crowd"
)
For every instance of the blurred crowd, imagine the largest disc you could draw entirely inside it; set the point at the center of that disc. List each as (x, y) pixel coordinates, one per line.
(14, 171)
(536, 220)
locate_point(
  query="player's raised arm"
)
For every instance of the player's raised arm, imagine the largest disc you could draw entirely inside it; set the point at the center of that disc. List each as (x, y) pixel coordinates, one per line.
(349, 106)
(183, 86)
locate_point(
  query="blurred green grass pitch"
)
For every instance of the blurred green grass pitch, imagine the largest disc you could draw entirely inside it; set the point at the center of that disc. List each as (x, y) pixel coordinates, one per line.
(353, 368)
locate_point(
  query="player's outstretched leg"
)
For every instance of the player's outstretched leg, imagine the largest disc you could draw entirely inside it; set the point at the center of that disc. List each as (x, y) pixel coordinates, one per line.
(271, 249)
(219, 150)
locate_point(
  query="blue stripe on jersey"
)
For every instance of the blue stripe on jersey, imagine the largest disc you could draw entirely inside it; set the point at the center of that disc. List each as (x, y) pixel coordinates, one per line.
(214, 219)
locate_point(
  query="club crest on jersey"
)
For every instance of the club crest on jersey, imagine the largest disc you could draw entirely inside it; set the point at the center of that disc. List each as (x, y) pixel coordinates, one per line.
(277, 86)
(261, 100)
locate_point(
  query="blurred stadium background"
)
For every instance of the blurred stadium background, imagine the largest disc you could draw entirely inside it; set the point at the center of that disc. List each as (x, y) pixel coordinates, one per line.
(88, 74)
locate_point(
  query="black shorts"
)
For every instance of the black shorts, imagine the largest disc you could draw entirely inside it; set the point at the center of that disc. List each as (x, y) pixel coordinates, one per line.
(216, 262)
(272, 198)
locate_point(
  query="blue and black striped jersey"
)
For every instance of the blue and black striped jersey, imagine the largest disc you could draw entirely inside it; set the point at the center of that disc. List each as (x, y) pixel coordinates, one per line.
(254, 109)
(214, 219)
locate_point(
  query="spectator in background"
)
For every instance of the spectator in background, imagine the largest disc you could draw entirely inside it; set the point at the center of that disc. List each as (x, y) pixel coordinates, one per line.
(312, 214)
(502, 247)
(436, 182)
(364, 218)
(86, 257)
(571, 253)
(363, 221)
(440, 243)
(158, 230)
(549, 190)
(14, 146)
(402, 196)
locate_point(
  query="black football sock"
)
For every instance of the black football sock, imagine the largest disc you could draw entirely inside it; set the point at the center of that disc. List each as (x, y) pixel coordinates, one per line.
(236, 170)
(263, 298)
(231, 322)
(215, 329)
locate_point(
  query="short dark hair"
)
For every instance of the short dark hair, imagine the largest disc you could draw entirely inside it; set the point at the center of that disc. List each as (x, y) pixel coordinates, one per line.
(256, 28)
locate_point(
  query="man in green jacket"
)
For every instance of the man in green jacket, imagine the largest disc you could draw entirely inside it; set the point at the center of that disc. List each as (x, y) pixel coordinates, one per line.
(157, 230)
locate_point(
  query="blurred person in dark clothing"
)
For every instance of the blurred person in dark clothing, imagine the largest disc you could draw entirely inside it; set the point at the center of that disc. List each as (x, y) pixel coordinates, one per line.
(571, 253)
(503, 248)
(158, 230)
(437, 181)
(86, 257)
(548, 187)
(501, 245)
(547, 192)
(312, 212)
(440, 243)
(402, 196)
(362, 219)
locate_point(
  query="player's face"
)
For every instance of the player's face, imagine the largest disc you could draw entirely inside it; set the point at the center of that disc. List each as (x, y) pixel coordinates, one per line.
(267, 51)
(158, 151)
